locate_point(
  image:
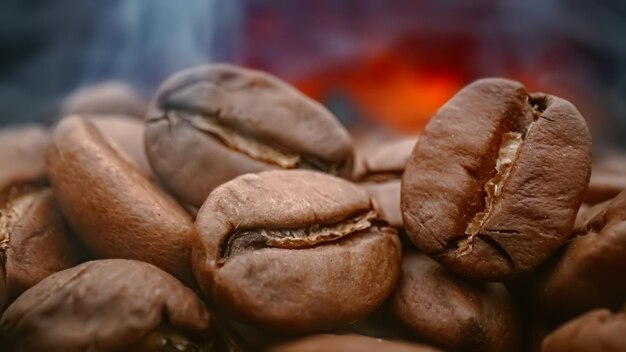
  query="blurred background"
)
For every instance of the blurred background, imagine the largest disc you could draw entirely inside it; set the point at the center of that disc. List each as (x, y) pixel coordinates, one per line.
(385, 65)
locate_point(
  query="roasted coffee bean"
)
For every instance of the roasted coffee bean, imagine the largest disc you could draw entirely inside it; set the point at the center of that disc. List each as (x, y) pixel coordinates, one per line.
(107, 305)
(34, 240)
(452, 313)
(384, 161)
(494, 183)
(114, 209)
(22, 156)
(604, 185)
(109, 98)
(598, 330)
(387, 197)
(380, 174)
(608, 178)
(33, 237)
(127, 135)
(294, 250)
(348, 343)
(209, 124)
(590, 273)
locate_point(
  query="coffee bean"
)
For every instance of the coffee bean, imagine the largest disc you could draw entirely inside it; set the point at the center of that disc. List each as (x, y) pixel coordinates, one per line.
(107, 305)
(384, 161)
(380, 174)
(294, 250)
(114, 209)
(109, 98)
(604, 185)
(348, 343)
(453, 313)
(22, 156)
(209, 124)
(387, 197)
(494, 183)
(590, 272)
(126, 134)
(598, 330)
(34, 240)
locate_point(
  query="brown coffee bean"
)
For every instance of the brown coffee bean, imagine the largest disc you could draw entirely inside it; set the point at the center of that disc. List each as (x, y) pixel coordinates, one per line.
(604, 185)
(294, 250)
(107, 305)
(34, 240)
(109, 98)
(209, 124)
(384, 161)
(598, 330)
(114, 209)
(22, 156)
(387, 197)
(452, 313)
(126, 134)
(494, 183)
(348, 343)
(380, 173)
(590, 273)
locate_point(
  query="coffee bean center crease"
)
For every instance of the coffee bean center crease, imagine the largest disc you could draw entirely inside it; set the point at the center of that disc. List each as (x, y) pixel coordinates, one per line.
(245, 240)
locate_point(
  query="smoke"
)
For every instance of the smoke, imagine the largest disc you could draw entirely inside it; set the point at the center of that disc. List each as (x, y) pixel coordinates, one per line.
(142, 42)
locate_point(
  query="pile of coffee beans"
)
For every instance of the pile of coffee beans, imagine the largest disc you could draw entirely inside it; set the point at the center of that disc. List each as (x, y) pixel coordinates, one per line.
(233, 213)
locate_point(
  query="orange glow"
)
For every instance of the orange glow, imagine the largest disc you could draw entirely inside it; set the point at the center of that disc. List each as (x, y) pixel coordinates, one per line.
(389, 89)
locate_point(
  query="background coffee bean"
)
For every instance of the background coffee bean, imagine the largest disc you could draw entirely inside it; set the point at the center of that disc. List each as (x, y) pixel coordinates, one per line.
(209, 124)
(348, 343)
(380, 173)
(598, 330)
(127, 135)
(453, 313)
(294, 250)
(109, 98)
(22, 156)
(114, 209)
(34, 240)
(107, 305)
(590, 272)
(494, 183)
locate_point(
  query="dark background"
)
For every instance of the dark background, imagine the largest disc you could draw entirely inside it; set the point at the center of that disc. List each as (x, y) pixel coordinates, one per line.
(388, 64)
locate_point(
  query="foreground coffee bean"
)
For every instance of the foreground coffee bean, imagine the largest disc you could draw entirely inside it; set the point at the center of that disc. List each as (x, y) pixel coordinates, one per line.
(599, 330)
(494, 183)
(294, 250)
(107, 305)
(452, 313)
(209, 124)
(109, 98)
(348, 343)
(590, 273)
(33, 237)
(114, 209)
(34, 240)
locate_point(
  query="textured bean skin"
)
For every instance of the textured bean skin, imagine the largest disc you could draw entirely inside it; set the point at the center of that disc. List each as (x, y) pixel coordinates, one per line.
(103, 305)
(589, 273)
(308, 287)
(540, 144)
(452, 313)
(112, 206)
(39, 242)
(598, 330)
(191, 157)
(348, 343)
